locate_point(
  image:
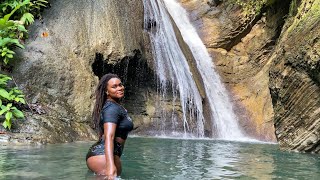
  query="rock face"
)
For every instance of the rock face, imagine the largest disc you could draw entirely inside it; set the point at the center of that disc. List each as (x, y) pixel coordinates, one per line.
(270, 64)
(295, 80)
(59, 68)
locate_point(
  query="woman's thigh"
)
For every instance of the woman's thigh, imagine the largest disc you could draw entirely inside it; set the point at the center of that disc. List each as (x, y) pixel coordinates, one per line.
(97, 164)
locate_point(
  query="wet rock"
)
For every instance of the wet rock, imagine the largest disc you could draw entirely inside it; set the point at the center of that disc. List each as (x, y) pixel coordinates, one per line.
(294, 80)
(4, 138)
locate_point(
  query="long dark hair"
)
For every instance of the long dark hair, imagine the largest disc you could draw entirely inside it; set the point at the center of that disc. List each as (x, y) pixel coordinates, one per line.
(101, 98)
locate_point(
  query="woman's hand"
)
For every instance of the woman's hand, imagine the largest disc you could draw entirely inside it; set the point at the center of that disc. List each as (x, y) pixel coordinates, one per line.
(111, 172)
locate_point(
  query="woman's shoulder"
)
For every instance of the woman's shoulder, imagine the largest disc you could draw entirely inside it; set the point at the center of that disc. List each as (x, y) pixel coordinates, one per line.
(111, 106)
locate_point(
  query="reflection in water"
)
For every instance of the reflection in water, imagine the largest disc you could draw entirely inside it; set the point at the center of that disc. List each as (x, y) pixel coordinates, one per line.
(255, 163)
(222, 156)
(205, 160)
(209, 159)
(150, 158)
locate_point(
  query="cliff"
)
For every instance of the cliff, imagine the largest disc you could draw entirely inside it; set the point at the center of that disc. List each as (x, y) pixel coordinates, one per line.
(295, 80)
(268, 55)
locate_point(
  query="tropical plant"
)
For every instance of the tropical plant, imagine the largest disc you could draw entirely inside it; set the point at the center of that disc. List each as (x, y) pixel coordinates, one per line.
(15, 16)
(31, 6)
(10, 33)
(9, 97)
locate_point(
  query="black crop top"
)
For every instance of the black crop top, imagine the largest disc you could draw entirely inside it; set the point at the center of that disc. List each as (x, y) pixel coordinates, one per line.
(114, 113)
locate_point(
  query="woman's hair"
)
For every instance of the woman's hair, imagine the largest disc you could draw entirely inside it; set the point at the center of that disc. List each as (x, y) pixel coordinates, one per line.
(100, 100)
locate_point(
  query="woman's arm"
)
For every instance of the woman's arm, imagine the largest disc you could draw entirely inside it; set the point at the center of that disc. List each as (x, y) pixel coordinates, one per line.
(109, 133)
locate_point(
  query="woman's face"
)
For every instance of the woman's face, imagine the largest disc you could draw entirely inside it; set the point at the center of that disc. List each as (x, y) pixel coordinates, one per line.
(115, 89)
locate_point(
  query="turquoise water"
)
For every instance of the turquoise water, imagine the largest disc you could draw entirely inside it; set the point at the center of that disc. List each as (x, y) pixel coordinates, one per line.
(152, 158)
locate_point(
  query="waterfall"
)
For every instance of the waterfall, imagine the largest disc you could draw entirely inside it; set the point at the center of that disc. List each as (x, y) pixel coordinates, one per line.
(171, 63)
(225, 120)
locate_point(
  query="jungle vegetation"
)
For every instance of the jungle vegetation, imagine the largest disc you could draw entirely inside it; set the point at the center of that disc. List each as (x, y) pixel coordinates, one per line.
(15, 17)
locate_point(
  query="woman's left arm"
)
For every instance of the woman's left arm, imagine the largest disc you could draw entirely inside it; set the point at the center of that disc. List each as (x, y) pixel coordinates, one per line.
(109, 133)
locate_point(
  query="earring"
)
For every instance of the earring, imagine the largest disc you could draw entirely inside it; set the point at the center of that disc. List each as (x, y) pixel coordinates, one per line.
(107, 93)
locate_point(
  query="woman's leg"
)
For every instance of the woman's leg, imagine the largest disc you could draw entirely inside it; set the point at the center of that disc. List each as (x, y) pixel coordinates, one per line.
(97, 164)
(117, 163)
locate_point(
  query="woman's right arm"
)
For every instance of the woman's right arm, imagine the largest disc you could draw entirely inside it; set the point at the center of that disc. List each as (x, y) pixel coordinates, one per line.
(109, 133)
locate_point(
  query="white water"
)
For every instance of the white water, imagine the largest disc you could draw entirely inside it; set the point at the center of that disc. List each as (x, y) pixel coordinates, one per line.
(225, 120)
(172, 63)
(172, 66)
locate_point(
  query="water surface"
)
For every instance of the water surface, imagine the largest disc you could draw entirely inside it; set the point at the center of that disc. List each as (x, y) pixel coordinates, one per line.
(156, 158)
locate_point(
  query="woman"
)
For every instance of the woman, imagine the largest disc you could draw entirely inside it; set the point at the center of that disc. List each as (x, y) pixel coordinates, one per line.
(113, 124)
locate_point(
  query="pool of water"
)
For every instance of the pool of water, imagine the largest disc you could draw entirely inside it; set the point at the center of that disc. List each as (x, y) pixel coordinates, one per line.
(158, 158)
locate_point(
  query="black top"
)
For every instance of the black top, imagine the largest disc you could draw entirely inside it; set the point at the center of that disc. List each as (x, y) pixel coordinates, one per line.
(114, 113)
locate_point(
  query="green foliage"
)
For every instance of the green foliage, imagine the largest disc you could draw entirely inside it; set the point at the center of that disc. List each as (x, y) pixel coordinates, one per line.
(8, 98)
(31, 6)
(252, 7)
(27, 18)
(38, 4)
(15, 15)
(5, 44)
(10, 32)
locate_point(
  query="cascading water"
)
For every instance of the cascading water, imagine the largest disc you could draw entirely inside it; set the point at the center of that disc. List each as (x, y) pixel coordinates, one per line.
(225, 119)
(171, 62)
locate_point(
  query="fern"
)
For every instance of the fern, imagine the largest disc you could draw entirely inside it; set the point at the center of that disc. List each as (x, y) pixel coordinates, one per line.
(27, 18)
